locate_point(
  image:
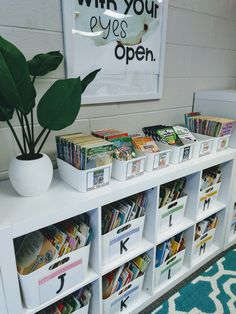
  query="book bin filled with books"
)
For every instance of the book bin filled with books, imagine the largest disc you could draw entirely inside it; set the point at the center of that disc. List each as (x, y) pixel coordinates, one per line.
(118, 232)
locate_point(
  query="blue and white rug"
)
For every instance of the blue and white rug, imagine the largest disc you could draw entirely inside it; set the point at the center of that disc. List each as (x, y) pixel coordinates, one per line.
(213, 292)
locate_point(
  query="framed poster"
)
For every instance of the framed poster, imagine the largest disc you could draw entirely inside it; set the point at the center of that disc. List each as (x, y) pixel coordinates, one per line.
(125, 38)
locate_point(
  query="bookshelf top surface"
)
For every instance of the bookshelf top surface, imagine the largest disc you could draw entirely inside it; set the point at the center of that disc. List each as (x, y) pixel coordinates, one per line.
(26, 214)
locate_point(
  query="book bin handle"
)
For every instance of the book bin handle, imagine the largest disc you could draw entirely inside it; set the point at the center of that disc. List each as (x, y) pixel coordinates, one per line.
(172, 205)
(204, 236)
(125, 289)
(123, 228)
(171, 260)
(209, 190)
(57, 264)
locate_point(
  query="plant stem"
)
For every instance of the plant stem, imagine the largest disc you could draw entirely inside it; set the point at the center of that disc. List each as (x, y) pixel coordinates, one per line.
(32, 128)
(15, 136)
(43, 141)
(39, 137)
(32, 119)
(31, 144)
(24, 135)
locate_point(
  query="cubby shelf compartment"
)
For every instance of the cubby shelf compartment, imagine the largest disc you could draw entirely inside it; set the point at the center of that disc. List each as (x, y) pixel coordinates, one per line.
(215, 208)
(144, 246)
(19, 216)
(185, 224)
(91, 276)
(169, 283)
(212, 251)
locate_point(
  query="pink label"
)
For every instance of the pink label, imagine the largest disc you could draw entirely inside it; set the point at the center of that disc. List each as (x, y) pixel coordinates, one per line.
(59, 272)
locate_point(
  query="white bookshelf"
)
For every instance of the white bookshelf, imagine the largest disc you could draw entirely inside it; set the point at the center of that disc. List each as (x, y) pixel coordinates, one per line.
(19, 216)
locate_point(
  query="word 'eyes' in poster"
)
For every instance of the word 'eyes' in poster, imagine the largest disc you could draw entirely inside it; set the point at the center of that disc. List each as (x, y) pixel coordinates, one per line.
(125, 38)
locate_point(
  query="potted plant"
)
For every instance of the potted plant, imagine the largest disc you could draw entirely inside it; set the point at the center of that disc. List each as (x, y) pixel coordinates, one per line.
(31, 172)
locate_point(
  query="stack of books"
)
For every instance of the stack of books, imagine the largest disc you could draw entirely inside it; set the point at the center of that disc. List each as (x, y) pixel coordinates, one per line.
(205, 226)
(184, 133)
(210, 176)
(122, 211)
(121, 276)
(208, 125)
(171, 191)
(144, 144)
(169, 248)
(163, 134)
(84, 151)
(58, 239)
(124, 149)
(71, 303)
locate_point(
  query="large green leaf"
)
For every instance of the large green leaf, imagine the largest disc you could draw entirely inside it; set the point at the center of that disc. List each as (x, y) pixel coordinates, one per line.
(44, 63)
(6, 111)
(15, 82)
(88, 79)
(59, 106)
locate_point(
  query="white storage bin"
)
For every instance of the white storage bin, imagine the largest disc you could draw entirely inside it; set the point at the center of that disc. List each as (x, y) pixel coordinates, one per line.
(82, 310)
(202, 244)
(84, 180)
(171, 214)
(45, 283)
(179, 153)
(156, 161)
(122, 300)
(122, 240)
(3, 307)
(208, 196)
(123, 170)
(169, 268)
(221, 143)
(203, 146)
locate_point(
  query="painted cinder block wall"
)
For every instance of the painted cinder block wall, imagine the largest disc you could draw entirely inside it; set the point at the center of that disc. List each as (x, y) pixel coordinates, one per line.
(200, 54)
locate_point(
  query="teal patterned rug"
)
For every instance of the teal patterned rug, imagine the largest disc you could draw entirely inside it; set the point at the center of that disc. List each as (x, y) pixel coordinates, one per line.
(214, 291)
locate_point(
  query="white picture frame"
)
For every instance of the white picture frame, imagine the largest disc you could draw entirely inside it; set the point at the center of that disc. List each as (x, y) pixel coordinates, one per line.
(121, 87)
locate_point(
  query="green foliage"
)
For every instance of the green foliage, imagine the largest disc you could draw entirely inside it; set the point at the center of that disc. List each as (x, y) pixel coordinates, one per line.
(58, 107)
(15, 84)
(44, 63)
(88, 79)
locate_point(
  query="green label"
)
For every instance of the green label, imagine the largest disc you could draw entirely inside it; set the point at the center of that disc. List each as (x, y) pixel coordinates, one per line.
(175, 209)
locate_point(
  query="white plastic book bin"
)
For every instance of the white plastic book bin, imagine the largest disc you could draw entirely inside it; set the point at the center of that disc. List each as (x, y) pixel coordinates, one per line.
(123, 170)
(221, 143)
(203, 146)
(169, 268)
(122, 240)
(82, 310)
(202, 244)
(233, 227)
(156, 161)
(208, 196)
(121, 301)
(84, 180)
(179, 153)
(171, 214)
(45, 283)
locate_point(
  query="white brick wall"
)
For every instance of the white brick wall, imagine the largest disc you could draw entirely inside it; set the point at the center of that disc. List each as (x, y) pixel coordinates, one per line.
(200, 54)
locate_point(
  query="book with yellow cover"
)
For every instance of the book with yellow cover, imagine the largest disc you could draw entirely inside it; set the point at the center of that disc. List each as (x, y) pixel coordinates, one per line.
(34, 252)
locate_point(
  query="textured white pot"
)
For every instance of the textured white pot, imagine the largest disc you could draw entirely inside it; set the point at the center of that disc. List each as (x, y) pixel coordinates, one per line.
(31, 177)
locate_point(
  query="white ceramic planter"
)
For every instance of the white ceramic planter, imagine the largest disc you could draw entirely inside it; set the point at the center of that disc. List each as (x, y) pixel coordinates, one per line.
(31, 177)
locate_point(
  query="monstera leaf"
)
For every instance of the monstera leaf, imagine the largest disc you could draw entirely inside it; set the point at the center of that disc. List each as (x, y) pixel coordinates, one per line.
(44, 63)
(59, 106)
(15, 83)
